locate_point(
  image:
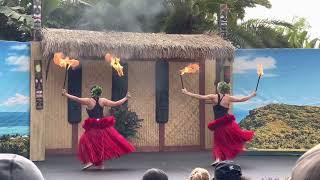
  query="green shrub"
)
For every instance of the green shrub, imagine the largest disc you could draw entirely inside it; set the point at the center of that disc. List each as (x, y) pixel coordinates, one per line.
(15, 144)
(127, 122)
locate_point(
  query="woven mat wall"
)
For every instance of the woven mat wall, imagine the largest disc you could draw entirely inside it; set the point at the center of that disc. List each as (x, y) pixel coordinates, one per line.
(141, 85)
(95, 73)
(58, 131)
(183, 126)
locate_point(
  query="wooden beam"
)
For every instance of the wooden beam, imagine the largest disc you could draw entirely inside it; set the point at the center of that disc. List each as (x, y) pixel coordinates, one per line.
(37, 123)
(75, 138)
(202, 113)
(162, 136)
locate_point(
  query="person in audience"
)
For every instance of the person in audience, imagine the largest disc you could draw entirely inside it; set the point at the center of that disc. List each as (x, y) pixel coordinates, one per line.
(16, 167)
(155, 174)
(228, 170)
(307, 166)
(199, 174)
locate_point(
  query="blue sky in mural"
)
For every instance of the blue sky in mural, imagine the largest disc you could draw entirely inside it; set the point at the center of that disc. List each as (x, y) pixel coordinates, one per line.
(15, 88)
(291, 77)
(14, 76)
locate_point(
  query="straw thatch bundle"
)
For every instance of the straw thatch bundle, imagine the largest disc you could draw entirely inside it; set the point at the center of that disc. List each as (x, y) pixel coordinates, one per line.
(129, 45)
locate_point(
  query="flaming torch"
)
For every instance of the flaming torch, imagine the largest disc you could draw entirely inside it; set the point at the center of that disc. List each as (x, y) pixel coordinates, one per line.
(115, 63)
(260, 74)
(65, 62)
(191, 68)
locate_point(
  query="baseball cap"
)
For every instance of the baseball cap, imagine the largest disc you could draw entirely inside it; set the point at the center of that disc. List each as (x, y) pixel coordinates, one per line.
(16, 167)
(307, 166)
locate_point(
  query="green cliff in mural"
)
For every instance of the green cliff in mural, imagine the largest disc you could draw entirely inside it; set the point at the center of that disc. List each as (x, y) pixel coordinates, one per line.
(284, 127)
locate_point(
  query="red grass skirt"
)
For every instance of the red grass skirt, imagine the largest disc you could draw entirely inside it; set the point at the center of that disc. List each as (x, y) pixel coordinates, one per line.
(101, 141)
(228, 138)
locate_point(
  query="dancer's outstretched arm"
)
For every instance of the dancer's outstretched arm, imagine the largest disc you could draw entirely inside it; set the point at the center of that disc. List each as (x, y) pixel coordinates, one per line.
(82, 101)
(198, 96)
(242, 99)
(109, 103)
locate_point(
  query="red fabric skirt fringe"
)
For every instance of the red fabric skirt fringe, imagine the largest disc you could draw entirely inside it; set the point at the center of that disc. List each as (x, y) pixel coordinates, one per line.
(101, 141)
(228, 138)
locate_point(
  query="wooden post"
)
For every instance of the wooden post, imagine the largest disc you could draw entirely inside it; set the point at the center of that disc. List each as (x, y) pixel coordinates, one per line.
(202, 113)
(37, 123)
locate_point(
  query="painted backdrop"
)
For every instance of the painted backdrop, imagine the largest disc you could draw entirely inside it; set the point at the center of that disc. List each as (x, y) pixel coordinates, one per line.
(14, 97)
(286, 112)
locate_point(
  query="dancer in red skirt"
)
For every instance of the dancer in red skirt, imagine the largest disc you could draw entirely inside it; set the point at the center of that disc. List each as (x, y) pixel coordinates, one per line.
(228, 138)
(100, 141)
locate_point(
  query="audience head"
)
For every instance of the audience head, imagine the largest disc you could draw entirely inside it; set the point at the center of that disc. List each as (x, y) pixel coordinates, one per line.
(227, 170)
(199, 174)
(155, 174)
(307, 166)
(15, 167)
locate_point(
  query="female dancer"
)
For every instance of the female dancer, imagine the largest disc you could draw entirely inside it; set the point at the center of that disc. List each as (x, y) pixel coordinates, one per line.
(100, 141)
(229, 138)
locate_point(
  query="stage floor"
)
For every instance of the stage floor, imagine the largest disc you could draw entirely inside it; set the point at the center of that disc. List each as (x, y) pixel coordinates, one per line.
(177, 165)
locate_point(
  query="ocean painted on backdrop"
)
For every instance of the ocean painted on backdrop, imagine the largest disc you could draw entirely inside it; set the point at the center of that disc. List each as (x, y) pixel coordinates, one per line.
(15, 88)
(14, 123)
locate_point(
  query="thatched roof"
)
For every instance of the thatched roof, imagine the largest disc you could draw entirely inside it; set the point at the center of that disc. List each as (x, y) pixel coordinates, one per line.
(80, 44)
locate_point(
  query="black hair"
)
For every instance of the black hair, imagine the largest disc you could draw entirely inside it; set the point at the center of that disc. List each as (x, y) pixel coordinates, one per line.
(155, 174)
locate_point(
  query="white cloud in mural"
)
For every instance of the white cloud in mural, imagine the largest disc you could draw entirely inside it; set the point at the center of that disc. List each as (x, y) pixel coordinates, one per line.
(19, 63)
(270, 75)
(18, 99)
(244, 64)
(19, 47)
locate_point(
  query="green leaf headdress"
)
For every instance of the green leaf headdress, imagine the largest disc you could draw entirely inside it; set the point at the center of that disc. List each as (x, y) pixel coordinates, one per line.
(96, 91)
(224, 88)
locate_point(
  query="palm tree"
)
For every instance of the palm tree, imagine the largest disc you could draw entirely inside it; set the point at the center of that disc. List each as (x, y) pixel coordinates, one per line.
(198, 16)
(257, 33)
(16, 18)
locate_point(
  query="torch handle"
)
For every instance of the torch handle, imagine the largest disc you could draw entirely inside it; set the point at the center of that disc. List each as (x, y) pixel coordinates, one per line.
(181, 81)
(258, 83)
(65, 77)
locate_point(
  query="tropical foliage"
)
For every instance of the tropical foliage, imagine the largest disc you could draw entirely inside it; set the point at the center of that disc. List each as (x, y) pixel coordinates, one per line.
(127, 122)
(15, 144)
(298, 36)
(15, 19)
(169, 16)
(257, 33)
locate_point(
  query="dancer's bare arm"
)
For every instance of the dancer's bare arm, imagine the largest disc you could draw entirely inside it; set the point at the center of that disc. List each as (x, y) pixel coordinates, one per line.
(242, 99)
(109, 103)
(198, 96)
(82, 101)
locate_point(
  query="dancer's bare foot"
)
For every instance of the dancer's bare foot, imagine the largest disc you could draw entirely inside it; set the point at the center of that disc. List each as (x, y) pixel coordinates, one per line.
(215, 163)
(87, 166)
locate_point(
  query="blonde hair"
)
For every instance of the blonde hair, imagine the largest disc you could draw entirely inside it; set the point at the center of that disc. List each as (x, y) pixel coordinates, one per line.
(199, 174)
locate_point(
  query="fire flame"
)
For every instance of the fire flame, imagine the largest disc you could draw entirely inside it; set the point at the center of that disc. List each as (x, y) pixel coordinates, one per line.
(260, 70)
(65, 62)
(191, 68)
(115, 63)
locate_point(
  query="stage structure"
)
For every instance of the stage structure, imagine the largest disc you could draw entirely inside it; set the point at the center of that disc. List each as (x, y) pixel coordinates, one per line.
(172, 122)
